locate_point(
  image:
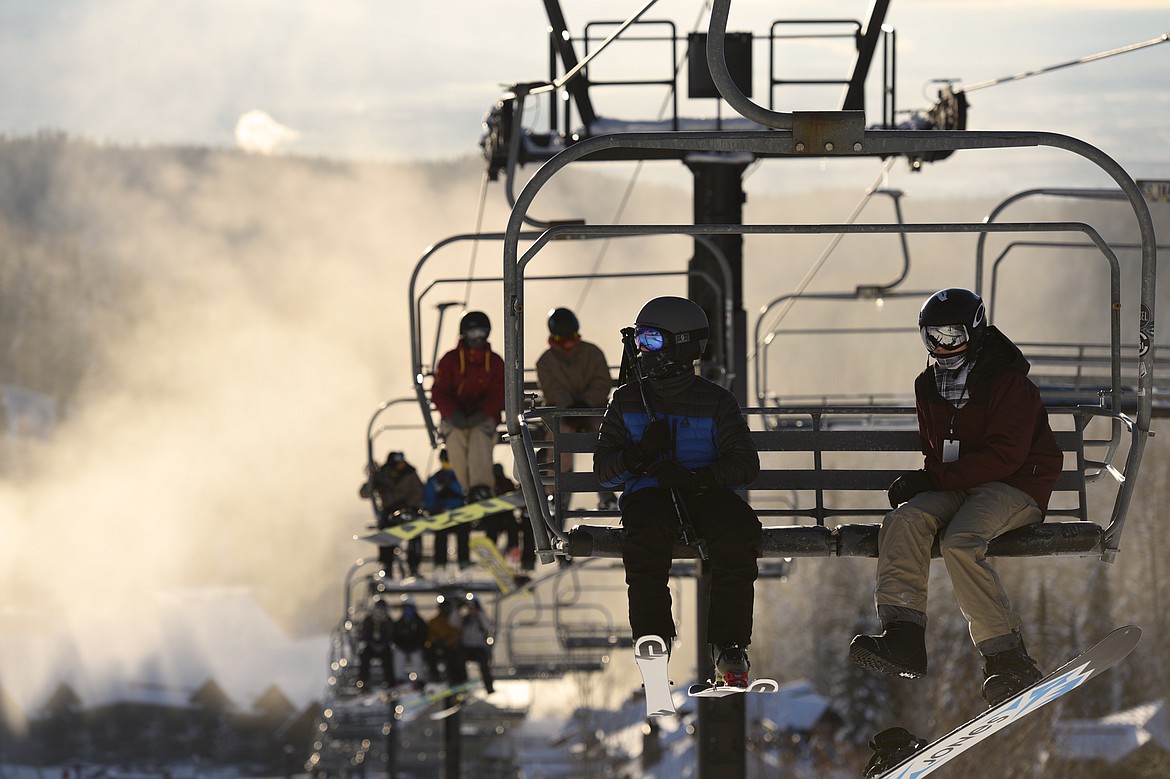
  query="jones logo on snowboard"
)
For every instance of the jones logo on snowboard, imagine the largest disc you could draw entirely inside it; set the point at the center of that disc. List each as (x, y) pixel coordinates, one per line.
(1103, 655)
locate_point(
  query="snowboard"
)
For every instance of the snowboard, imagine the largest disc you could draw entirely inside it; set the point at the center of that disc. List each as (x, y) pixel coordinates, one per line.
(1102, 656)
(472, 512)
(651, 655)
(713, 690)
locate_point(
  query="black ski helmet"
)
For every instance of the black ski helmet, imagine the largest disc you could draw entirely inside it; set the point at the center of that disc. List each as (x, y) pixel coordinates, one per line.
(683, 324)
(563, 323)
(473, 320)
(957, 307)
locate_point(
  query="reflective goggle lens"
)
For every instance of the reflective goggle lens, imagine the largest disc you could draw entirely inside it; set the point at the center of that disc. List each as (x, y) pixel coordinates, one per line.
(476, 333)
(649, 339)
(946, 337)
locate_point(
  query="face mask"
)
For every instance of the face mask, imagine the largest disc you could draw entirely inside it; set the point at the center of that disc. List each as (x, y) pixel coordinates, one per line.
(951, 362)
(655, 363)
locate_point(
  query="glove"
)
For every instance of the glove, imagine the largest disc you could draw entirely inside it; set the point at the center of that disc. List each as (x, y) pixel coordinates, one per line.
(458, 419)
(703, 478)
(910, 484)
(655, 441)
(672, 475)
(475, 418)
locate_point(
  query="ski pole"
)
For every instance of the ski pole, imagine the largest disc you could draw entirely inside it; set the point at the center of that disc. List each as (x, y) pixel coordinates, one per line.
(689, 536)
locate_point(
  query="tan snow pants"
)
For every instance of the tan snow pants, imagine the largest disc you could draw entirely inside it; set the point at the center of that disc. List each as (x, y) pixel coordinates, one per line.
(964, 522)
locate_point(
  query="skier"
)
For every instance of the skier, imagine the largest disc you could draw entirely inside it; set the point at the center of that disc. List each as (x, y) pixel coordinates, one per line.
(475, 639)
(677, 445)
(410, 635)
(376, 636)
(991, 462)
(442, 650)
(468, 391)
(573, 373)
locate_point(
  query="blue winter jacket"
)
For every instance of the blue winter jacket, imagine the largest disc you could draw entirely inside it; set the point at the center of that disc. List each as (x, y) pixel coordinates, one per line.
(707, 427)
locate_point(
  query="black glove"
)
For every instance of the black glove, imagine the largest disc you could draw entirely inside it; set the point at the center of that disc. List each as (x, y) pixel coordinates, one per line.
(703, 478)
(458, 419)
(672, 475)
(910, 484)
(475, 418)
(655, 441)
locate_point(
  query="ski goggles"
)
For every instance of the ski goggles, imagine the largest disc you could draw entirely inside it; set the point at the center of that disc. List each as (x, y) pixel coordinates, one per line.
(649, 339)
(476, 333)
(946, 338)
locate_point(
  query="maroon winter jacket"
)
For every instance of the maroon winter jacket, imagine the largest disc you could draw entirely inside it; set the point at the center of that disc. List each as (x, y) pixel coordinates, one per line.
(469, 380)
(1003, 429)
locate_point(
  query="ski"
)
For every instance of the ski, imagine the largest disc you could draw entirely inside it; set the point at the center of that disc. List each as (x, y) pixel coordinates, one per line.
(472, 512)
(493, 562)
(1102, 656)
(713, 690)
(652, 655)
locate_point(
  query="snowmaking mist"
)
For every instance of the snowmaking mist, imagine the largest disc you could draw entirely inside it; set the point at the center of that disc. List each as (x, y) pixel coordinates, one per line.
(251, 317)
(217, 330)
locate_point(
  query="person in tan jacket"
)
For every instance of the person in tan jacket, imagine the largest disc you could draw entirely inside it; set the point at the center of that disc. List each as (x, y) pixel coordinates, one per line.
(573, 373)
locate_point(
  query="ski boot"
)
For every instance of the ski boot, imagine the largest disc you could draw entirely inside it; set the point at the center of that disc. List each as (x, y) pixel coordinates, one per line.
(890, 747)
(900, 650)
(731, 665)
(1008, 673)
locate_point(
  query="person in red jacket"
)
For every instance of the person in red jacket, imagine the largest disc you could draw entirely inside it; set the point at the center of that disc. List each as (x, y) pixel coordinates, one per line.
(991, 462)
(468, 391)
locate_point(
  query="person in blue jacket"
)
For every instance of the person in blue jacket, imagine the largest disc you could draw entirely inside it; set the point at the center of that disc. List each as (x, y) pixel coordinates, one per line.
(443, 492)
(674, 437)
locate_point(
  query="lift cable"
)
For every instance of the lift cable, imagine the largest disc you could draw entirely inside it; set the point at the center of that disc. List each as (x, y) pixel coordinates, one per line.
(1090, 58)
(483, 183)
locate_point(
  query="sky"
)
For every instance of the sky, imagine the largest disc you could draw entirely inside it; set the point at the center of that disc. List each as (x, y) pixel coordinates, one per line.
(386, 79)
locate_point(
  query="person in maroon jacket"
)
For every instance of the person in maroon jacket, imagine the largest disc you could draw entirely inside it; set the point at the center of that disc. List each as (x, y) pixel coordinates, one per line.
(991, 464)
(468, 391)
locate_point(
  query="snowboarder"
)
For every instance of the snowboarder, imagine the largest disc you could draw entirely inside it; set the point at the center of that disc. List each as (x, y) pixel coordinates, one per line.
(399, 497)
(678, 445)
(396, 486)
(443, 492)
(991, 462)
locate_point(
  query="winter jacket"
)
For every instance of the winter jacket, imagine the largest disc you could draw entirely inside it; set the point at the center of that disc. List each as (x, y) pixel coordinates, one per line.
(441, 632)
(474, 630)
(469, 380)
(1003, 429)
(377, 630)
(395, 489)
(443, 492)
(574, 375)
(410, 631)
(708, 430)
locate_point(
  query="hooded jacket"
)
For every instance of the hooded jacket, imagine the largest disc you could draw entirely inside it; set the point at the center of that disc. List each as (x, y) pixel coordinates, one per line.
(469, 380)
(574, 377)
(1002, 430)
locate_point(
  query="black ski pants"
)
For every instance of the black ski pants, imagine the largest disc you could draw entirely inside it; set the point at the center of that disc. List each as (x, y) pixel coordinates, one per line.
(732, 534)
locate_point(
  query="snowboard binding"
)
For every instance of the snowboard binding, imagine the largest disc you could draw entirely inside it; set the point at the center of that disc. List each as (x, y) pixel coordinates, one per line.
(890, 747)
